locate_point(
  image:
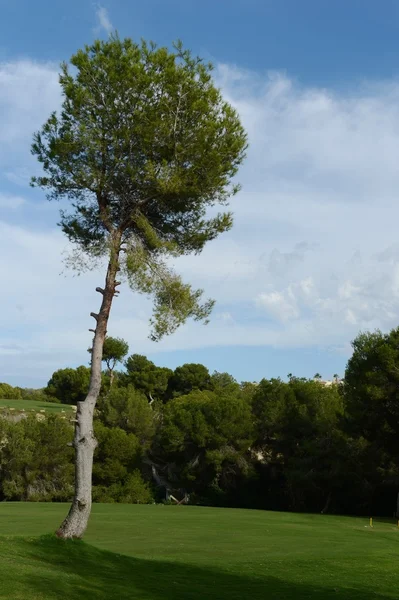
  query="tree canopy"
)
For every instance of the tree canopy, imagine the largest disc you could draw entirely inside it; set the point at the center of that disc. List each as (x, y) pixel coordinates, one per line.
(147, 377)
(114, 351)
(372, 405)
(143, 146)
(189, 377)
(69, 385)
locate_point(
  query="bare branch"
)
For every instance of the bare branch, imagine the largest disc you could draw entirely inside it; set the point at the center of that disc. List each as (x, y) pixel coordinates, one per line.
(94, 315)
(100, 290)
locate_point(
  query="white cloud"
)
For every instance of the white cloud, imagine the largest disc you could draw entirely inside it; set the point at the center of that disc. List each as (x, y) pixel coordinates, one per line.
(103, 19)
(29, 91)
(313, 256)
(347, 290)
(281, 305)
(307, 287)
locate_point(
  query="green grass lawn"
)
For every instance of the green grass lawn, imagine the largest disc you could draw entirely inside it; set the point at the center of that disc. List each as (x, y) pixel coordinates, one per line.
(191, 553)
(28, 405)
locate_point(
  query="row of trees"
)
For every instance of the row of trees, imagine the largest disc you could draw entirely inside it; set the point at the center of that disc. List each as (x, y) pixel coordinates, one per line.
(295, 445)
(69, 386)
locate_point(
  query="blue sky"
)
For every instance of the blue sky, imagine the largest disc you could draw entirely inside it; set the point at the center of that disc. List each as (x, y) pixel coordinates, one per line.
(318, 41)
(314, 254)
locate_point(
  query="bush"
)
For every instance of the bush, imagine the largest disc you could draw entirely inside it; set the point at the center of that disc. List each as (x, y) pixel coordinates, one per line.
(134, 490)
(69, 385)
(35, 461)
(128, 409)
(7, 392)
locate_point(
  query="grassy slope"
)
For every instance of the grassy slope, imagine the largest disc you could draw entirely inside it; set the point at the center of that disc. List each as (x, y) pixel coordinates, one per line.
(28, 405)
(189, 553)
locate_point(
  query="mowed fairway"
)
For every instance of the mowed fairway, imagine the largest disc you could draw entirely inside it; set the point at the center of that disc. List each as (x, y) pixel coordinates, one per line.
(34, 405)
(192, 553)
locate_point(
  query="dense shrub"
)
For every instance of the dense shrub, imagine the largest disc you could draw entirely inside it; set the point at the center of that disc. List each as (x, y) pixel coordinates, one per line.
(69, 385)
(35, 460)
(8, 392)
(128, 409)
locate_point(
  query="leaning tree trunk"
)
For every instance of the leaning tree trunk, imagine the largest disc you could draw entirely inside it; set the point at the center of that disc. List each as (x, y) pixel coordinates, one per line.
(84, 441)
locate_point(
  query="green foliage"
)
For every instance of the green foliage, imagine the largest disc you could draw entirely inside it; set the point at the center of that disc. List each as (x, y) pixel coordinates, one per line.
(224, 382)
(69, 385)
(135, 490)
(128, 409)
(114, 351)
(268, 402)
(9, 393)
(297, 446)
(372, 386)
(301, 406)
(207, 437)
(35, 460)
(298, 434)
(147, 377)
(174, 301)
(372, 406)
(115, 476)
(187, 378)
(115, 453)
(248, 389)
(143, 146)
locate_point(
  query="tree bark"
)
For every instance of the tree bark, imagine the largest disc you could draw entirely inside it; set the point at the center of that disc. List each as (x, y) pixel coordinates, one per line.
(84, 442)
(111, 378)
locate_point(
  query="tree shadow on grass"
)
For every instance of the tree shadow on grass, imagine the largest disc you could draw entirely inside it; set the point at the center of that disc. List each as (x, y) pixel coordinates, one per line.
(77, 571)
